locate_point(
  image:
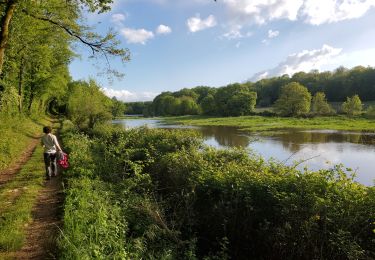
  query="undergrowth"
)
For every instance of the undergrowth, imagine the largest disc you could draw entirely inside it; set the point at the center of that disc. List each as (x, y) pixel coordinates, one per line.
(160, 194)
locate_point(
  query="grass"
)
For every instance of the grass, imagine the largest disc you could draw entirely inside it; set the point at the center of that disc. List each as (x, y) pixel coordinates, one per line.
(16, 134)
(18, 197)
(259, 123)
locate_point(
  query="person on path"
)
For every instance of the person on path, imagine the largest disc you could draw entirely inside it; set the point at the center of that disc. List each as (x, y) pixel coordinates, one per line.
(51, 146)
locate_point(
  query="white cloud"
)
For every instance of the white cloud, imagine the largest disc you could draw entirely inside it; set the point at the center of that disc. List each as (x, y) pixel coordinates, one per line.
(136, 35)
(235, 33)
(118, 18)
(314, 12)
(328, 11)
(196, 24)
(163, 29)
(127, 96)
(305, 60)
(260, 11)
(273, 34)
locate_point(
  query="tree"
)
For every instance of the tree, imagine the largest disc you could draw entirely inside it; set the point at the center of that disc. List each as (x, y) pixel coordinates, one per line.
(242, 103)
(352, 106)
(320, 105)
(188, 106)
(294, 100)
(118, 107)
(61, 15)
(208, 105)
(87, 105)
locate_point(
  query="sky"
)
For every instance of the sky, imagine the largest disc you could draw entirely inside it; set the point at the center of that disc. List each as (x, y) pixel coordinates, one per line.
(177, 44)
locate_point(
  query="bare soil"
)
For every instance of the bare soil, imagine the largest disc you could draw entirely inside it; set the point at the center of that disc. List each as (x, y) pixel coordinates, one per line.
(42, 232)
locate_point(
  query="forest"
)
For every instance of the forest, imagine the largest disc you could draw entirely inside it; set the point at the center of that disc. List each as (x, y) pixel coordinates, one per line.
(158, 194)
(242, 98)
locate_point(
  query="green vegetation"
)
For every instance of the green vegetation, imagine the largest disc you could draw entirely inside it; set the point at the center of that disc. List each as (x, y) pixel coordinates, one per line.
(352, 106)
(17, 198)
(16, 134)
(87, 105)
(320, 105)
(157, 194)
(259, 123)
(294, 100)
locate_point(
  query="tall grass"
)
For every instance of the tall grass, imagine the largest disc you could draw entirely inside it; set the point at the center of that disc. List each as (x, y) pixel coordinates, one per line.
(171, 197)
(16, 133)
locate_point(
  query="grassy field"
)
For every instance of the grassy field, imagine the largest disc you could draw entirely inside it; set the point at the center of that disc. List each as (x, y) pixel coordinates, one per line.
(16, 134)
(17, 198)
(259, 123)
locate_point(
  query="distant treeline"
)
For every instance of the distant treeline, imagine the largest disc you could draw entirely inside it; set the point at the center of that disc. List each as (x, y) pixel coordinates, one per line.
(241, 98)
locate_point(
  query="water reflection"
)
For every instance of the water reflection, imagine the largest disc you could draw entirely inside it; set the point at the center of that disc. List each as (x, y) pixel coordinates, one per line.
(320, 148)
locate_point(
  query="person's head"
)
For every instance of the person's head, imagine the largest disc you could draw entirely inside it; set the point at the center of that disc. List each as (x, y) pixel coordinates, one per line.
(47, 129)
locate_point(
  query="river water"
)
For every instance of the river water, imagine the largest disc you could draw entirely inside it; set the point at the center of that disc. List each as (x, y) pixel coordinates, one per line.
(317, 148)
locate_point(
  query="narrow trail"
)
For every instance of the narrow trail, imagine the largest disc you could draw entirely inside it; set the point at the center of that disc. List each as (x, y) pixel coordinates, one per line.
(8, 173)
(42, 232)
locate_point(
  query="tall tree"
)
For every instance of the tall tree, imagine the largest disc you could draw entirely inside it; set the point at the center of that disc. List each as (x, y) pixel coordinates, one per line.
(294, 100)
(62, 15)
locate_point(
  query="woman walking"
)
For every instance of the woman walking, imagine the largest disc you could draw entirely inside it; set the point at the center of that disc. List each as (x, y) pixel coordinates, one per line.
(51, 146)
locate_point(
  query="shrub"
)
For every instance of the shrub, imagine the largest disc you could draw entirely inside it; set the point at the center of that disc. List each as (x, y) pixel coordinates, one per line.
(352, 106)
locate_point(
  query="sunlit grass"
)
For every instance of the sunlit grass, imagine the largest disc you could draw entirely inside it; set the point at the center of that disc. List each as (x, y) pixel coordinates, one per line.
(16, 133)
(259, 123)
(18, 197)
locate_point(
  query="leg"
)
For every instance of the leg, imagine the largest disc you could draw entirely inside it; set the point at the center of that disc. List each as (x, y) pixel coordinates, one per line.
(53, 164)
(47, 163)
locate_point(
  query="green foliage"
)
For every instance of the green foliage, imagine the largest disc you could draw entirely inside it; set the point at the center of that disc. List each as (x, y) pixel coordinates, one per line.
(320, 105)
(177, 199)
(370, 112)
(208, 105)
(352, 106)
(118, 108)
(242, 103)
(137, 108)
(93, 227)
(294, 100)
(87, 105)
(16, 133)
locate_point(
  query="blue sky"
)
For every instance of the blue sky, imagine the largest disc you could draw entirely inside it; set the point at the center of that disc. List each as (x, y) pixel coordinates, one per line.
(187, 43)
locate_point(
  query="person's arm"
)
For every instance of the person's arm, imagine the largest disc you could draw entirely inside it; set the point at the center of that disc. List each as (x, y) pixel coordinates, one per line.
(57, 144)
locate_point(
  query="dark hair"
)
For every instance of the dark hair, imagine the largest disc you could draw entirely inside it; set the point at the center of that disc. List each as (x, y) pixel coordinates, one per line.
(47, 129)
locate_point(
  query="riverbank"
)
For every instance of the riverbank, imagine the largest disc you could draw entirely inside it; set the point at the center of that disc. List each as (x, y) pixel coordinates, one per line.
(147, 193)
(259, 123)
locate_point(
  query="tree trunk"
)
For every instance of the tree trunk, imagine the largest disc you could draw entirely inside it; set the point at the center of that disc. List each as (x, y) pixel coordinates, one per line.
(31, 98)
(4, 34)
(20, 82)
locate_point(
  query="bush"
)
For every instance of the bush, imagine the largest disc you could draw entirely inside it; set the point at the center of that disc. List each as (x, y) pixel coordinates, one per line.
(352, 106)
(370, 112)
(181, 200)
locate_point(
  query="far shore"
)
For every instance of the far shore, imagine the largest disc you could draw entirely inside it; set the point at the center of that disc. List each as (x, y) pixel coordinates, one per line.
(261, 123)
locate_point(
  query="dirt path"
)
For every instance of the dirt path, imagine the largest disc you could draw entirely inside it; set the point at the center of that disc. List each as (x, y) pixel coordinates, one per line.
(42, 232)
(7, 174)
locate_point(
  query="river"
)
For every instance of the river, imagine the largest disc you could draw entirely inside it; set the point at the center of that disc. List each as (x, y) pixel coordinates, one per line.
(318, 149)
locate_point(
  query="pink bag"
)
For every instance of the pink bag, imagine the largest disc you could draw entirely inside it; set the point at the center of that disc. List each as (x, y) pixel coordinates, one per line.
(63, 160)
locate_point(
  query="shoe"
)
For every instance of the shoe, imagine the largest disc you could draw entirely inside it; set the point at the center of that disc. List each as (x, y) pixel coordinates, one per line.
(48, 178)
